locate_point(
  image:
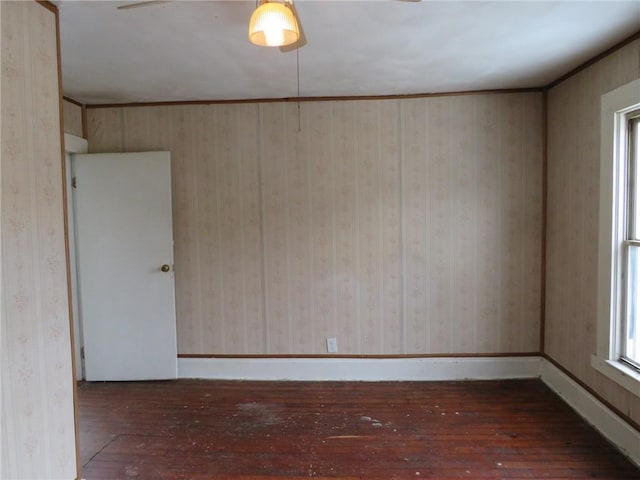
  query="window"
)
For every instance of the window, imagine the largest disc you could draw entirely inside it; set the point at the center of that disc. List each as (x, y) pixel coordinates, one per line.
(630, 341)
(618, 349)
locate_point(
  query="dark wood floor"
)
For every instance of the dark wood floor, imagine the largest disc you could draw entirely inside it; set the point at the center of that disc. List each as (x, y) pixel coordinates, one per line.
(191, 429)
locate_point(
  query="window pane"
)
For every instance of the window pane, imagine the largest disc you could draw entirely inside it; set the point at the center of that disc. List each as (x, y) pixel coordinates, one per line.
(630, 338)
(634, 184)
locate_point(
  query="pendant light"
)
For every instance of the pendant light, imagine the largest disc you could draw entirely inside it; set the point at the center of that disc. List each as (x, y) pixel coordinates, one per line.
(273, 24)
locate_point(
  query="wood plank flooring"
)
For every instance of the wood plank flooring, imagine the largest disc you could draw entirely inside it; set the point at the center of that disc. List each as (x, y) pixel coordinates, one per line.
(196, 429)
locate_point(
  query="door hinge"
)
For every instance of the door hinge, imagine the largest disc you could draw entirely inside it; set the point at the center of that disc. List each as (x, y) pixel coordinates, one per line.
(74, 183)
(82, 353)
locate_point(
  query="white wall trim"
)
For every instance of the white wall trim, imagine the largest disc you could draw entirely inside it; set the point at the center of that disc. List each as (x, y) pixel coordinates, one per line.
(619, 372)
(616, 430)
(73, 144)
(360, 369)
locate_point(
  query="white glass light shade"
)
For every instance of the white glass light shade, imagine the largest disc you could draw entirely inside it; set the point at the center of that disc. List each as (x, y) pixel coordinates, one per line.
(273, 25)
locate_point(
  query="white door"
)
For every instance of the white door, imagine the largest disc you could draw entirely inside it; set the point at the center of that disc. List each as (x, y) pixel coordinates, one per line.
(124, 250)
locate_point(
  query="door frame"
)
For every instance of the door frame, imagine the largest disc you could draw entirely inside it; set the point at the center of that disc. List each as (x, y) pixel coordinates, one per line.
(73, 144)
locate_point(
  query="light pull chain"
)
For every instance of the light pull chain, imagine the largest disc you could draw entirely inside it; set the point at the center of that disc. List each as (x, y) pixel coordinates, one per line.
(298, 78)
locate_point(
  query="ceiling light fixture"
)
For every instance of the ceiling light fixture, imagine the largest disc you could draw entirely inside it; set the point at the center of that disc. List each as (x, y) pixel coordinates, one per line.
(273, 24)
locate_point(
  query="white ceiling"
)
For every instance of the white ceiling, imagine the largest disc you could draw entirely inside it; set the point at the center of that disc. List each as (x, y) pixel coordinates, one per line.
(186, 50)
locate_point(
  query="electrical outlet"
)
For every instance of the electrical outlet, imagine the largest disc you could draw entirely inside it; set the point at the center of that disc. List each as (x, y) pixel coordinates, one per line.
(332, 345)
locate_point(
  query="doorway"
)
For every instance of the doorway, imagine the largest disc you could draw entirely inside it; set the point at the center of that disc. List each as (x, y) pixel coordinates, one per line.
(121, 259)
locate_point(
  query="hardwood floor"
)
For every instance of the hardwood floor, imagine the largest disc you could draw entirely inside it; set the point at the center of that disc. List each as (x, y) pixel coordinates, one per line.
(196, 429)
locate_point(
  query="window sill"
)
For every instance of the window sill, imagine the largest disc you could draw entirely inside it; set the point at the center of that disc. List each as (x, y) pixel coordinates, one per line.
(621, 374)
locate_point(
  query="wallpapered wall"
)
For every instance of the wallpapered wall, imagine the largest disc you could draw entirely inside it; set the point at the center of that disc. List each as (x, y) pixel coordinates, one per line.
(573, 202)
(397, 226)
(38, 439)
(72, 118)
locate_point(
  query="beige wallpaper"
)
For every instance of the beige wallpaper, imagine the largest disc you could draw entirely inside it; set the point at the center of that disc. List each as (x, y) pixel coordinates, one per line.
(72, 118)
(38, 439)
(572, 232)
(397, 226)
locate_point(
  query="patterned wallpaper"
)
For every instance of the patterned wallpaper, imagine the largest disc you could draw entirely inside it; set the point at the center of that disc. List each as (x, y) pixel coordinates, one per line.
(397, 226)
(72, 118)
(38, 438)
(572, 232)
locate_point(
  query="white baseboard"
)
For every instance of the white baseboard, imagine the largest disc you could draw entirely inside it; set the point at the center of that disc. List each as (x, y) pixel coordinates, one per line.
(360, 369)
(617, 431)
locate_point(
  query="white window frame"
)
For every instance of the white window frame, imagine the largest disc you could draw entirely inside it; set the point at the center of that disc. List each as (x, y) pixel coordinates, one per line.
(615, 106)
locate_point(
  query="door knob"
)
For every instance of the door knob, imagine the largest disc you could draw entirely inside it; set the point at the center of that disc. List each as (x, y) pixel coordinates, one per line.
(165, 268)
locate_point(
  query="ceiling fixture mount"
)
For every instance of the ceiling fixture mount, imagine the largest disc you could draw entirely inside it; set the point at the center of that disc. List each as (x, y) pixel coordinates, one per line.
(274, 24)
